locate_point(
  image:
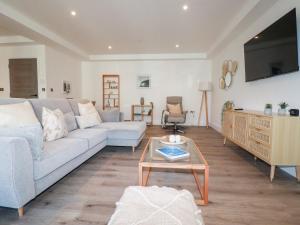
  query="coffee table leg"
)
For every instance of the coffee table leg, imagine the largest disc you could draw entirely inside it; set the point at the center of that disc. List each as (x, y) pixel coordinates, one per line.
(140, 175)
(203, 190)
(206, 175)
(144, 173)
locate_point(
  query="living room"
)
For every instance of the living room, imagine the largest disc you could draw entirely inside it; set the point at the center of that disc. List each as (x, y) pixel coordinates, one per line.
(193, 50)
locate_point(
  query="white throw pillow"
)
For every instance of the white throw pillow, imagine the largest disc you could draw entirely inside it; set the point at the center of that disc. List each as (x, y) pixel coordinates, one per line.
(54, 124)
(17, 115)
(87, 108)
(89, 120)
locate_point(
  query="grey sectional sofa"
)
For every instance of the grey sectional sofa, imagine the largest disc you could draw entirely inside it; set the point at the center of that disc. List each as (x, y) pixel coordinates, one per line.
(22, 178)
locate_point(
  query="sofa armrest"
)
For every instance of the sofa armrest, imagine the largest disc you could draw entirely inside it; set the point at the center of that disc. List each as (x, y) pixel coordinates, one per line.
(113, 115)
(16, 172)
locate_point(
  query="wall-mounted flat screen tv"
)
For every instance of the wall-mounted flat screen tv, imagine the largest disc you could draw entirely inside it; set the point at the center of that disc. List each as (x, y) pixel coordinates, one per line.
(274, 51)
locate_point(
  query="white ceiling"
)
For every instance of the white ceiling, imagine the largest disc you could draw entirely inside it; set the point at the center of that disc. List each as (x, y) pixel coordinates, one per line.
(133, 26)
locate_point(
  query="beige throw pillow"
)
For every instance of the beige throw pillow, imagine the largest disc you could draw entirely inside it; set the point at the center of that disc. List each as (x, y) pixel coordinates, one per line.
(89, 116)
(174, 109)
(87, 108)
(54, 124)
(88, 120)
(17, 115)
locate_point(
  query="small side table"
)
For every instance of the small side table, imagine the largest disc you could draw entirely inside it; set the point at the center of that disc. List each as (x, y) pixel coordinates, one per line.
(142, 113)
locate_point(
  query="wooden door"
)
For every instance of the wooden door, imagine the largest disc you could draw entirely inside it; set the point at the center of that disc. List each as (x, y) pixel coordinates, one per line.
(23, 78)
(240, 133)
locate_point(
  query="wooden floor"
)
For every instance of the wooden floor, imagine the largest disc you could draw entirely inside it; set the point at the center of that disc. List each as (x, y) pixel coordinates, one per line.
(239, 188)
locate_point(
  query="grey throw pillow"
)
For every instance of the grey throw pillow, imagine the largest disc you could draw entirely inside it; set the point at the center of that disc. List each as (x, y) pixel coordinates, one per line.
(70, 121)
(32, 133)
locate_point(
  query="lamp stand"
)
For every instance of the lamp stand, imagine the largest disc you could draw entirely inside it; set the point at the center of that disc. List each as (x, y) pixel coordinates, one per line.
(203, 99)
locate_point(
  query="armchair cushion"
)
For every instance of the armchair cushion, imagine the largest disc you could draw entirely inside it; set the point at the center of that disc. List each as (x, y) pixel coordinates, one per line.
(174, 109)
(176, 118)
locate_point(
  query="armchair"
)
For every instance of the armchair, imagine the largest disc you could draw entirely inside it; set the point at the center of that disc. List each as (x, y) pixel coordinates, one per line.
(171, 116)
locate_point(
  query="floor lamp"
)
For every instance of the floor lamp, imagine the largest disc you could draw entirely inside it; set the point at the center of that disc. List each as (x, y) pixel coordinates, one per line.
(204, 86)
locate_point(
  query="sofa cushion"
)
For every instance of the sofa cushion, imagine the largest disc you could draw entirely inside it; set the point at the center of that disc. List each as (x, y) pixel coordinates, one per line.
(17, 115)
(57, 153)
(6, 101)
(70, 121)
(74, 104)
(124, 130)
(93, 136)
(52, 104)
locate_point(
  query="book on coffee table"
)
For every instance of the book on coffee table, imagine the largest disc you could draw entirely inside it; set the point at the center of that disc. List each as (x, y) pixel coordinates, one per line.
(173, 153)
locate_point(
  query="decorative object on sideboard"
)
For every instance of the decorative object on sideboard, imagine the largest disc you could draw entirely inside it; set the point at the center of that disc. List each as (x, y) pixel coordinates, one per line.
(66, 87)
(142, 101)
(268, 109)
(144, 81)
(294, 112)
(204, 86)
(228, 105)
(282, 108)
(229, 69)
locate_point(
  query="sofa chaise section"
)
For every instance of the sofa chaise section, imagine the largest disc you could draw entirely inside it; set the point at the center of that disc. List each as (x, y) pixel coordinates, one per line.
(124, 133)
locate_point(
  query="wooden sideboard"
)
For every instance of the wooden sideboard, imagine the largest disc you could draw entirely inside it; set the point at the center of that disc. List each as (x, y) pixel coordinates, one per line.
(273, 139)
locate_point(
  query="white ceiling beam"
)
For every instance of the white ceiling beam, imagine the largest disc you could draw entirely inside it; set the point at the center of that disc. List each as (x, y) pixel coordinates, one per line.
(134, 57)
(16, 39)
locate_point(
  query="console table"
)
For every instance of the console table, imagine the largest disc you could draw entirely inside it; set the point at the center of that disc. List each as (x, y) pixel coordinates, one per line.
(273, 139)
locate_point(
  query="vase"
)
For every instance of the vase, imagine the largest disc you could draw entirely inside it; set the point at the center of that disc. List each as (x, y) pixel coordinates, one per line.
(142, 101)
(281, 112)
(268, 111)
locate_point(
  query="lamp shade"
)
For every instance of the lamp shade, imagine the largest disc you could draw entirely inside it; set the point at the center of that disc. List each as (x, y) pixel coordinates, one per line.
(205, 86)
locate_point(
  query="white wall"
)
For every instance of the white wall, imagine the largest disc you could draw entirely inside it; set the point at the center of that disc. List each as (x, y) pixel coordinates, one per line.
(11, 52)
(62, 66)
(254, 95)
(169, 77)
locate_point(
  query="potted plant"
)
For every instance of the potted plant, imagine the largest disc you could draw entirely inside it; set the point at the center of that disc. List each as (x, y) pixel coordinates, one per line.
(282, 108)
(228, 105)
(268, 109)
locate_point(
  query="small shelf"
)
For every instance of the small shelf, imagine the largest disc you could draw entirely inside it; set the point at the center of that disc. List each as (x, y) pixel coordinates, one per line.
(142, 113)
(111, 84)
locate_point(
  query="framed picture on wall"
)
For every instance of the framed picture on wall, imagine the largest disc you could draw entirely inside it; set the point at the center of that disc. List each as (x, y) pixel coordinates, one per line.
(66, 87)
(144, 81)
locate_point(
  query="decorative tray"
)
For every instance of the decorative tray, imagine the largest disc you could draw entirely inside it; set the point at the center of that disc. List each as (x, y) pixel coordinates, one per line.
(166, 140)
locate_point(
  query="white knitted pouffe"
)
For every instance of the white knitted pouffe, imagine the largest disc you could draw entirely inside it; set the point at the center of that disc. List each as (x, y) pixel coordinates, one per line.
(156, 206)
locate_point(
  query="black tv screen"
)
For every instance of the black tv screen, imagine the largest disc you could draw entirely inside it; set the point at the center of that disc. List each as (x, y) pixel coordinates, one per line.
(274, 51)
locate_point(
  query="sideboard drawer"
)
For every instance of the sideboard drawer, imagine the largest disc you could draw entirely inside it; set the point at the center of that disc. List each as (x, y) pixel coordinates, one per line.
(261, 122)
(260, 150)
(260, 136)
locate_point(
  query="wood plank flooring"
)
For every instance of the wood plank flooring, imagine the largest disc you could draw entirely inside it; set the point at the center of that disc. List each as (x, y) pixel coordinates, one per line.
(239, 188)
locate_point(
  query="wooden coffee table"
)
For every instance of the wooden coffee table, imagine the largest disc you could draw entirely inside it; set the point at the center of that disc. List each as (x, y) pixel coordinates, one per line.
(196, 164)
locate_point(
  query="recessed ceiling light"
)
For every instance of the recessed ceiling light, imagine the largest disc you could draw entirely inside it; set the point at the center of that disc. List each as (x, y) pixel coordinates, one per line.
(177, 46)
(256, 37)
(185, 7)
(73, 13)
(109, 47)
